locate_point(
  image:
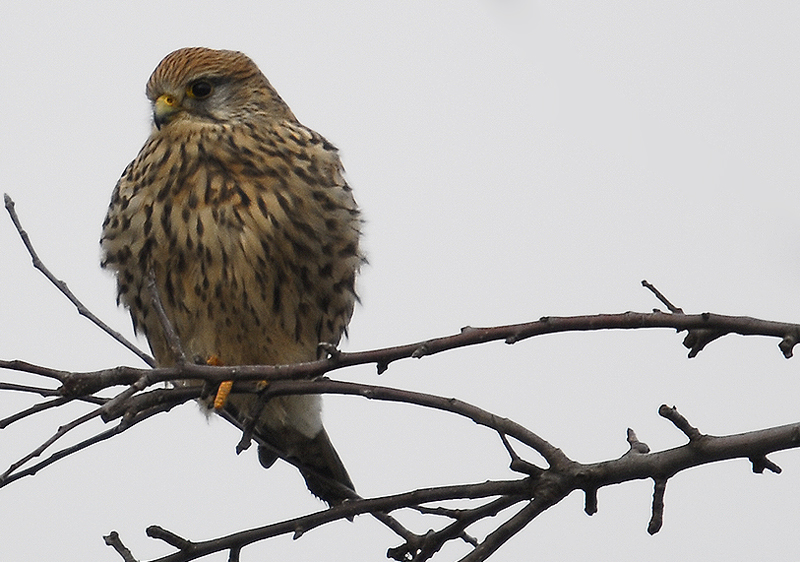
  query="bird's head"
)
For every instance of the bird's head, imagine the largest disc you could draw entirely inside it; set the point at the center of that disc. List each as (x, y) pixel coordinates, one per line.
(206, 85)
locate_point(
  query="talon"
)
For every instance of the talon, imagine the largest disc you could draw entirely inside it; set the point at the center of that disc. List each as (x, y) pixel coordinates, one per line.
(329, 349)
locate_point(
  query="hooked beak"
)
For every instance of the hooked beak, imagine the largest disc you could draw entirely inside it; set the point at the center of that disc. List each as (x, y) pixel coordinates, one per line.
(165, 109)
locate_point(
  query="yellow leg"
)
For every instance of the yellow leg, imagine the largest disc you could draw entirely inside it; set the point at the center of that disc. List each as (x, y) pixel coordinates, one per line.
(224, 387)
(222, 394)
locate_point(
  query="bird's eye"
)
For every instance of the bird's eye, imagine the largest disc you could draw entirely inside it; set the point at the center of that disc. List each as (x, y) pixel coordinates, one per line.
(200, 89)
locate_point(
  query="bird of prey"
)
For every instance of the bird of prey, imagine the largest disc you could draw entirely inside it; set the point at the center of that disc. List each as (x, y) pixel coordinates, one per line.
(251, 232)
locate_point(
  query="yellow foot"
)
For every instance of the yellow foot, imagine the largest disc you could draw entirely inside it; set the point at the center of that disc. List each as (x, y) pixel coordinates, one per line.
(224, 387)
(222, 394)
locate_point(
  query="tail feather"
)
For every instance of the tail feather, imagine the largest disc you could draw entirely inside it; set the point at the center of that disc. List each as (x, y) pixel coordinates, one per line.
(315, 458)
(318, 462)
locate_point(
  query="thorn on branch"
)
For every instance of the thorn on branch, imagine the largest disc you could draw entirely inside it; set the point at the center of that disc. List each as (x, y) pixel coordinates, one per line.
(657, 517)
(671, 307)
(671, 413)
(112, 539)
(761, 463)
(636, 445)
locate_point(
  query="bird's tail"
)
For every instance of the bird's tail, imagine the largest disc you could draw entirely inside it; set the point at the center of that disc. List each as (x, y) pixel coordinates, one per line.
(315, 457)
(317, 460)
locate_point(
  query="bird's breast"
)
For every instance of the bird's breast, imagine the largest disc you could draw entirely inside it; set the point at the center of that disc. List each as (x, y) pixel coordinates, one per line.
(253, 239)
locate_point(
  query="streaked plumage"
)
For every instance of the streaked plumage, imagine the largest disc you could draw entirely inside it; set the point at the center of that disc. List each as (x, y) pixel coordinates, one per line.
(252, 232)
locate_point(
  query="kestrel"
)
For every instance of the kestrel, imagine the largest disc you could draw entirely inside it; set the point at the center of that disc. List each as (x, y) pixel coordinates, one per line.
(252, 233)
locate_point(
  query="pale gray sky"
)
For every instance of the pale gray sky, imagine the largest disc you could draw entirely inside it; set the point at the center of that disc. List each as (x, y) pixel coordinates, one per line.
(513, 160)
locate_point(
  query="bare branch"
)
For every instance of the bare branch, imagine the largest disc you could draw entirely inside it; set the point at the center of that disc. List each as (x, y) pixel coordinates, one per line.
(540, 493)
(433, 541)
(25, 367)
(539, 488)
(78, 384)
(86, 383)
(62, 286)
(504, 426)
(193, 550)
(63, 430)
(515, 524)
(36, 408)
(156, 532)
(131, 418)
(47, 392)
(173, 341)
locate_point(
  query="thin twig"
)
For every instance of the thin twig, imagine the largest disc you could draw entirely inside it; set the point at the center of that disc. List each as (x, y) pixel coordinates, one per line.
(41, 391)
(40, 407)
(512, 526)
(25, 367)
(63, 430)
(125, 424)
(119, 401)
(62, 286)
(671, 307)
(517, 463)
(672, 414)
(173, 340)
(433, 542)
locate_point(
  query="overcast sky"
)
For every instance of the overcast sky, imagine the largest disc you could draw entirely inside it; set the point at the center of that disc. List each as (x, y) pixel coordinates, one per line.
(513, 160)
